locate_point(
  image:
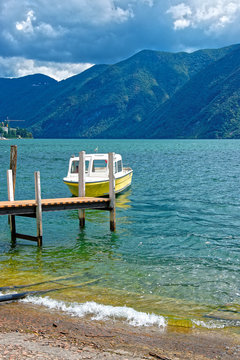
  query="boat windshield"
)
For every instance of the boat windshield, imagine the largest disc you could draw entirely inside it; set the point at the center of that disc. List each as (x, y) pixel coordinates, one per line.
(74, 166)
(99, 166)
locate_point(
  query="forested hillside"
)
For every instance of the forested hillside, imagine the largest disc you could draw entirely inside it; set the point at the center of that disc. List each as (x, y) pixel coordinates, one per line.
(150, 95)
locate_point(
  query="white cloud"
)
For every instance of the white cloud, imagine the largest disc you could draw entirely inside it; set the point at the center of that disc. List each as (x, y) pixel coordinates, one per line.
(18, 67)
(180, 10)
(181, 14)
(120, 15)
(181, 24)
(47, 30)
(26, 26)
(210, 15)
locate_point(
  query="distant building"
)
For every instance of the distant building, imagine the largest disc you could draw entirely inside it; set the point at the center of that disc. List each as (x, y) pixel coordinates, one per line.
(5, 128)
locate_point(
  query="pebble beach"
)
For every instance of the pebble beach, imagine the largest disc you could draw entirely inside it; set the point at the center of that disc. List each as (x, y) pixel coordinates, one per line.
(29, 331)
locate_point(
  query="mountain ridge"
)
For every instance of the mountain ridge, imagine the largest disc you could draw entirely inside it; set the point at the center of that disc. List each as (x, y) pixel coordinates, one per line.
(194, 114)
(149, 95)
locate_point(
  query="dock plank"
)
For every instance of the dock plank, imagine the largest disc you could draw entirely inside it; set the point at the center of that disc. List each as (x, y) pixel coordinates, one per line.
(29, 206)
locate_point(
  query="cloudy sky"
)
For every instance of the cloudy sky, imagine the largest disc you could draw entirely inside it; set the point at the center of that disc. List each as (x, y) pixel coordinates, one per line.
(64, 37)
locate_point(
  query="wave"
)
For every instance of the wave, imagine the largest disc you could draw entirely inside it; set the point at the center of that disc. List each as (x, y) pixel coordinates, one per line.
(133, 317)
(100, 311)
(209, 324)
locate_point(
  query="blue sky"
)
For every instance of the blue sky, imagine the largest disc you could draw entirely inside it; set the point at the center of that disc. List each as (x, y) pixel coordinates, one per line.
(61, 38)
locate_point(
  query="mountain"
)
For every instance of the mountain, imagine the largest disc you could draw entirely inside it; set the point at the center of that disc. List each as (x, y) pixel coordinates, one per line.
(20, 97)
(137, 97)
(207, 106)
(27, 97)
(59, 103)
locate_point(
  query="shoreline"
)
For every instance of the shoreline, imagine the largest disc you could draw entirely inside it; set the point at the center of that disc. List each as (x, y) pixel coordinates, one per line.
(27, 328)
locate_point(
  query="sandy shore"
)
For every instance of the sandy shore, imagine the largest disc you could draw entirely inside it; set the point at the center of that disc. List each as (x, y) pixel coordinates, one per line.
(28, 331)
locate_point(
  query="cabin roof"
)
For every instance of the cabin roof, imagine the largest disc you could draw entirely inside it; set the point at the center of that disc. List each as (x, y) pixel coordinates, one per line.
(98, 157)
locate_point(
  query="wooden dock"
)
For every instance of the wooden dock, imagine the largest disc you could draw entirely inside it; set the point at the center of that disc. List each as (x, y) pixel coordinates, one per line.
(34, 208)
(28, 207)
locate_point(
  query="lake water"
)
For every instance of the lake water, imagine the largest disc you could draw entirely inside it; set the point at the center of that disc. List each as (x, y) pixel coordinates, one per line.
(175, 256)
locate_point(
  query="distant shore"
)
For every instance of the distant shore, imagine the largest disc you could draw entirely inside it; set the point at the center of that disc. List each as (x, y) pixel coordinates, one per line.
(13, 138)
(28, 330)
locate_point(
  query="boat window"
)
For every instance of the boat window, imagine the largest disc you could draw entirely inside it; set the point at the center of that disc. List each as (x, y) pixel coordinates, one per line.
(115, 165)
(119, 165)
(99, 166)
(74, 167)
(86, 165)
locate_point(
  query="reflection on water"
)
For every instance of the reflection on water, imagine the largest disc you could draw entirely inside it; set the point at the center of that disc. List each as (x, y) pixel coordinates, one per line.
(124, 200)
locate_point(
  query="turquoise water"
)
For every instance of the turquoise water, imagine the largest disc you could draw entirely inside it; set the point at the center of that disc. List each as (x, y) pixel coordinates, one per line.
(176, 251)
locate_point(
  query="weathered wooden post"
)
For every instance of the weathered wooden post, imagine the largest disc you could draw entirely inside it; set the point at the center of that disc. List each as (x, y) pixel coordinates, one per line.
(112, 191)
(13, 164)
(81, 186)
(13, 167)
(38, 207)
(11, 198)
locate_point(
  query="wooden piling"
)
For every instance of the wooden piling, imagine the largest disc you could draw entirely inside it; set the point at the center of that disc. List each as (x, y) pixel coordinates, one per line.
(13, 167)
(81, 186)
(11, 198)
(13, 164)
(112, 191)
(38, 207)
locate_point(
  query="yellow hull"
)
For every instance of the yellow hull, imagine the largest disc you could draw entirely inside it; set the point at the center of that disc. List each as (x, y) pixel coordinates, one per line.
(101, 188)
